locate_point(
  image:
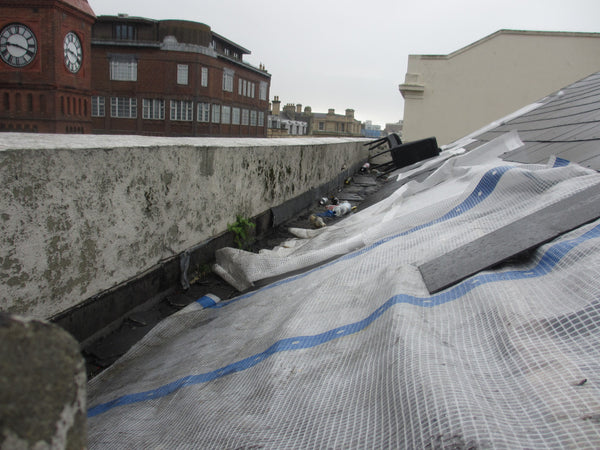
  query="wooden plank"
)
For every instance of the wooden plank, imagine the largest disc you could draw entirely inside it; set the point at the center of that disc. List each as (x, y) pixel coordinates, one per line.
(524, 234)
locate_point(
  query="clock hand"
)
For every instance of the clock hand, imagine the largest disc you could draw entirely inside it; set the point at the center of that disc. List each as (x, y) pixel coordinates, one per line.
(9, 44)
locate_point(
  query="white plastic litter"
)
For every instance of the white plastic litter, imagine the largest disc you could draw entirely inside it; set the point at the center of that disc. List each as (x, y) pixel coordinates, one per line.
(356, 354)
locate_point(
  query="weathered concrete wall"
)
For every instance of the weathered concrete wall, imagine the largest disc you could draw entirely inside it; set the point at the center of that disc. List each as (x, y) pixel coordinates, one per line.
(82, 214)
(42, 386)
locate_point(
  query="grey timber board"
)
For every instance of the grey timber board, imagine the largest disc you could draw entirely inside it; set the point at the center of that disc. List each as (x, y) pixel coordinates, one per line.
(363, 180)
(473, 145)
(584, 153)
(510, 240)
(350, 197)
(593, 162)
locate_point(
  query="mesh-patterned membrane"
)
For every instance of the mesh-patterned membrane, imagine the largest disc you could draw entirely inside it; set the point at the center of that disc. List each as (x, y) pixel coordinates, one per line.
(356, 353)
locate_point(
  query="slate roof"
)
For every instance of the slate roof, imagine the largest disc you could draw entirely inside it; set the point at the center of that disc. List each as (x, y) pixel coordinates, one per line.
(565, 124)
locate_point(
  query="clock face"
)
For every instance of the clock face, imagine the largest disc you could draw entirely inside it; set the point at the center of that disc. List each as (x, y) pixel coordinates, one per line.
(18, 45)
(72, 51)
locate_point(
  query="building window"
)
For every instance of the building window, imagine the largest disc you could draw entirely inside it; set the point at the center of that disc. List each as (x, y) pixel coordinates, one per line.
(153, 108)
(216, 113)
(122, 69)
(226, 51)
(228, 80)
(235, 116)
(240, 82)
(125, 32)
(182, 74)
(261, 119)
(252, 118)
(204, 77)
(123, 107)
(251, 89)
(245, 115)
(226, 114)
(203, 112)
(262, 90)
(181, 110)
(98, 106)
(321, 126)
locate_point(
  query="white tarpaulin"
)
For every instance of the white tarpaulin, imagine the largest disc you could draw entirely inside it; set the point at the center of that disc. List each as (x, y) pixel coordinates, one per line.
(356, 353)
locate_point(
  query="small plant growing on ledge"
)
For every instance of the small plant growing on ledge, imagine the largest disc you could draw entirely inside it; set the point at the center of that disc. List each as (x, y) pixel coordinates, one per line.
(241, 231)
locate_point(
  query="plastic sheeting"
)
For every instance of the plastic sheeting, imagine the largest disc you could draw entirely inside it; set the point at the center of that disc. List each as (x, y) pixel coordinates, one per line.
(355, 353)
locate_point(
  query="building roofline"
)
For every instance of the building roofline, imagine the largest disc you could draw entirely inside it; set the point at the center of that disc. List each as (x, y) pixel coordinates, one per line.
(509, 32)
(126, 18)
(230, 42)
(244, 64)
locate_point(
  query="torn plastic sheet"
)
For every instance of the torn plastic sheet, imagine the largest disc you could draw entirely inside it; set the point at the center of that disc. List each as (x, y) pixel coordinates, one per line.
(447, 185)
(356, 353)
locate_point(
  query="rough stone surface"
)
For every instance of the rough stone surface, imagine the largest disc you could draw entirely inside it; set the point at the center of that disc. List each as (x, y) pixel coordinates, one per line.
(83, 214)
(42, 386)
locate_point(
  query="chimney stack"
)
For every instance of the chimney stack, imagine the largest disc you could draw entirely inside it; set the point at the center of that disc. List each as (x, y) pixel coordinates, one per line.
(276, 105)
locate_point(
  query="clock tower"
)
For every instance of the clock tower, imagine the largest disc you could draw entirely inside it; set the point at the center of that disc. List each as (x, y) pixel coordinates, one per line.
(45, 65)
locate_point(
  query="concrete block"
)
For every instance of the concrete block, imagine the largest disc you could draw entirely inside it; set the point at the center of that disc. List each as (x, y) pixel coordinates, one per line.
(42, 386)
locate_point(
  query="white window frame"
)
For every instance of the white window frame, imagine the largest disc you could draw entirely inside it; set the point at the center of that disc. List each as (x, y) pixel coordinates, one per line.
(216, 113)
(203, 114)
(123, 69)
(235, 116)
(261, 119)
(182, 110)
(226, 114)
(262, 90)
(153, 109)
(228, 79)
(98, 106)
(252, 118)
(245, 116)
(182, 74)
(123, 107)
(204, 77)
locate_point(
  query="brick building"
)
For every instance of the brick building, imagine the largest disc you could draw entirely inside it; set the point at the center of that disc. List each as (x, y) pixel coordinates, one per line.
(123, 75)
(174, 78)
(45, 71)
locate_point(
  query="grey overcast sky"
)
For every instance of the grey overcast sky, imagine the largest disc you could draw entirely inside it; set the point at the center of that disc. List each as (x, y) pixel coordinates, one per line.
(353, 54)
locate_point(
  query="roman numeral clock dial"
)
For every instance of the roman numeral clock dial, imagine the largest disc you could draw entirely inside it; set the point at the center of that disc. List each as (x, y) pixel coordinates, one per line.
(18, 45)
(72, 51)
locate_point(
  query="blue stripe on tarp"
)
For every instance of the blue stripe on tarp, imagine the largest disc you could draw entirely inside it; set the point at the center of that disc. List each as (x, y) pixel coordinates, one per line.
(561, 162)
(206, 301)
(548, 261)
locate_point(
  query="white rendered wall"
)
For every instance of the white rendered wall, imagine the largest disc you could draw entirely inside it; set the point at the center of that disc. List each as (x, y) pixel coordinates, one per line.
(490, 79)
(82, 214)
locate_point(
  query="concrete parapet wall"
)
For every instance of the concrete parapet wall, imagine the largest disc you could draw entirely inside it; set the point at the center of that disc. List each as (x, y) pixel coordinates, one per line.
(82, 214)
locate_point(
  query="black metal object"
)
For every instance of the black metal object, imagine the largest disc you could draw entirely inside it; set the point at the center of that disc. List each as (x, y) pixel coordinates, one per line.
(415, 151)
(406, 154)
(392, 140)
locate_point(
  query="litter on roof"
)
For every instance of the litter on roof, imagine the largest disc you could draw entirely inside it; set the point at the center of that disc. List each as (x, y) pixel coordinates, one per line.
(349, 349)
